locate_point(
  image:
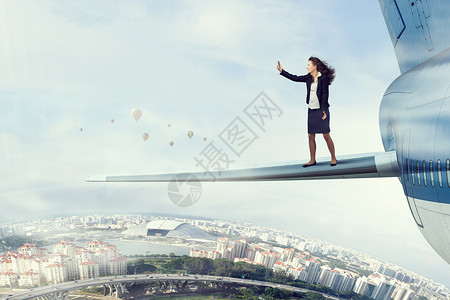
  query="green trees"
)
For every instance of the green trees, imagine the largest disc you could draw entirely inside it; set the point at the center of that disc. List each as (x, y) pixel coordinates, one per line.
(221, 267)
(248, 271)
(140, 266)
(274, 293)
(314, 296)
(174, 265)
(198, 265)
(192, 265)
(13, 242)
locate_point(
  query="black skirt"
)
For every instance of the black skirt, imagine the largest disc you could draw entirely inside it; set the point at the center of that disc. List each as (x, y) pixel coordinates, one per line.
(315, 122)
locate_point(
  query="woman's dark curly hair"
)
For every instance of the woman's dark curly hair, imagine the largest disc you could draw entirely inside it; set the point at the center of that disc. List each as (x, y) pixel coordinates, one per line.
(324, 68)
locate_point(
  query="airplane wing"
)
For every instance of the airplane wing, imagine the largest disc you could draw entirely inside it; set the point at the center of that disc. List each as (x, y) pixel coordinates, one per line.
(371, 165)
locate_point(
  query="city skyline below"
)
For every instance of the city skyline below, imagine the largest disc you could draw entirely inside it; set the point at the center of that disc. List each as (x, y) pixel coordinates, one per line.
(238, 229)
(196, 217)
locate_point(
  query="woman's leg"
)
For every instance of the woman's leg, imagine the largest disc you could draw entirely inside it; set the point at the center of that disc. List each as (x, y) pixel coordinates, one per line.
(312, 148)
(330, 145)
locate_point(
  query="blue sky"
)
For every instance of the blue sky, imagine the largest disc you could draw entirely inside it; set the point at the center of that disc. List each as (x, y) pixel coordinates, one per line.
(196, 65)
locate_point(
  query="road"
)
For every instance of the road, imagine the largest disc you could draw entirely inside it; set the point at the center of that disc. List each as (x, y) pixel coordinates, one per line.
(78, 284)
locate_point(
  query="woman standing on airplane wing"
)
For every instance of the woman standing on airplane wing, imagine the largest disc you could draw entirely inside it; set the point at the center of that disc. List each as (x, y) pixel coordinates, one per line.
(319, 77)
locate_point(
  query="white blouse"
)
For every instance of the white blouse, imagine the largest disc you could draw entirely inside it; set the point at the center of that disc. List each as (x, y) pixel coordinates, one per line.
(313, 100)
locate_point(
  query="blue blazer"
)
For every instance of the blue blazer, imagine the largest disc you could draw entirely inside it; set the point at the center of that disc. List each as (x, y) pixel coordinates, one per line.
(322, 86)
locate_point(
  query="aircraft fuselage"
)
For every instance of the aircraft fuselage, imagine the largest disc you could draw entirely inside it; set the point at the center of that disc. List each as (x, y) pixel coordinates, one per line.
(415, 122)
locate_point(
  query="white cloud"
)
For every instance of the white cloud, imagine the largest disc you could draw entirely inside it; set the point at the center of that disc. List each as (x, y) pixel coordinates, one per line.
(195, 65)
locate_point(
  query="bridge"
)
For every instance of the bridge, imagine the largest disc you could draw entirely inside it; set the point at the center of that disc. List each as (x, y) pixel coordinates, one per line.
(115, 285)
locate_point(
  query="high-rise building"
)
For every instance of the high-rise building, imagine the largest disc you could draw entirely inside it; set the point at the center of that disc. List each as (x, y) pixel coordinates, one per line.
(214, 255)
(18, 229)
(222, 243)
(383, 290)
(389, 272)
(56, 273)
(314, 248)
(66, 248)
(89, 269)
(297, 273)
(399, 293)
(400, 276)
(265, 237)
(338, 278)
(34, 266)
(325, 274)
(250, 254)
(282, 240)
(299, 260)
(348, 282)
(302, 246)
(288, 254)
(31, 249)
(266, 258)
(10, 279)
(313, 270)
(3, 232)
(364, 286)
(239, 248)
(29, 279)
(279, 266)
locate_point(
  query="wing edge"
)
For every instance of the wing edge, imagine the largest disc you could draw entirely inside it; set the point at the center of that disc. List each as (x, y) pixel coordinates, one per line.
(371, 165)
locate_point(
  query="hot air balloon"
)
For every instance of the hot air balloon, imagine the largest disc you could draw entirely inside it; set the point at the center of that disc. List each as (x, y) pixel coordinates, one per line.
(204, 139)
(171, 143)
(136, 113)
(112, 121)
(190, 134)
(81, 129)
(145, 136)
(168, 125)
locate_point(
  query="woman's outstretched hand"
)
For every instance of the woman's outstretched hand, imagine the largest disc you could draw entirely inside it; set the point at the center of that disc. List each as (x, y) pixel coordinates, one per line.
(279, 68)
(324, 116)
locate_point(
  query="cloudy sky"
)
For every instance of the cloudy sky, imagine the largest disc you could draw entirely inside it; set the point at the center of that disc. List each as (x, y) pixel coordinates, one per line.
(67, 66)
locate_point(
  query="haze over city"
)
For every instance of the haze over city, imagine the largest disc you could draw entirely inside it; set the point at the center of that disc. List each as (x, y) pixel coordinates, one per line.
(90, 247)
(68, 69)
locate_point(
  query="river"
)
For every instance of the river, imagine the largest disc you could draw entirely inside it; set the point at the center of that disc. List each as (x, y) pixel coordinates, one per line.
(146, 248)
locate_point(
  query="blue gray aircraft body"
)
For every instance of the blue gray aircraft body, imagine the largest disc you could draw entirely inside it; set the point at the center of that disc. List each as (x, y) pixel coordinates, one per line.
(414, 122)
